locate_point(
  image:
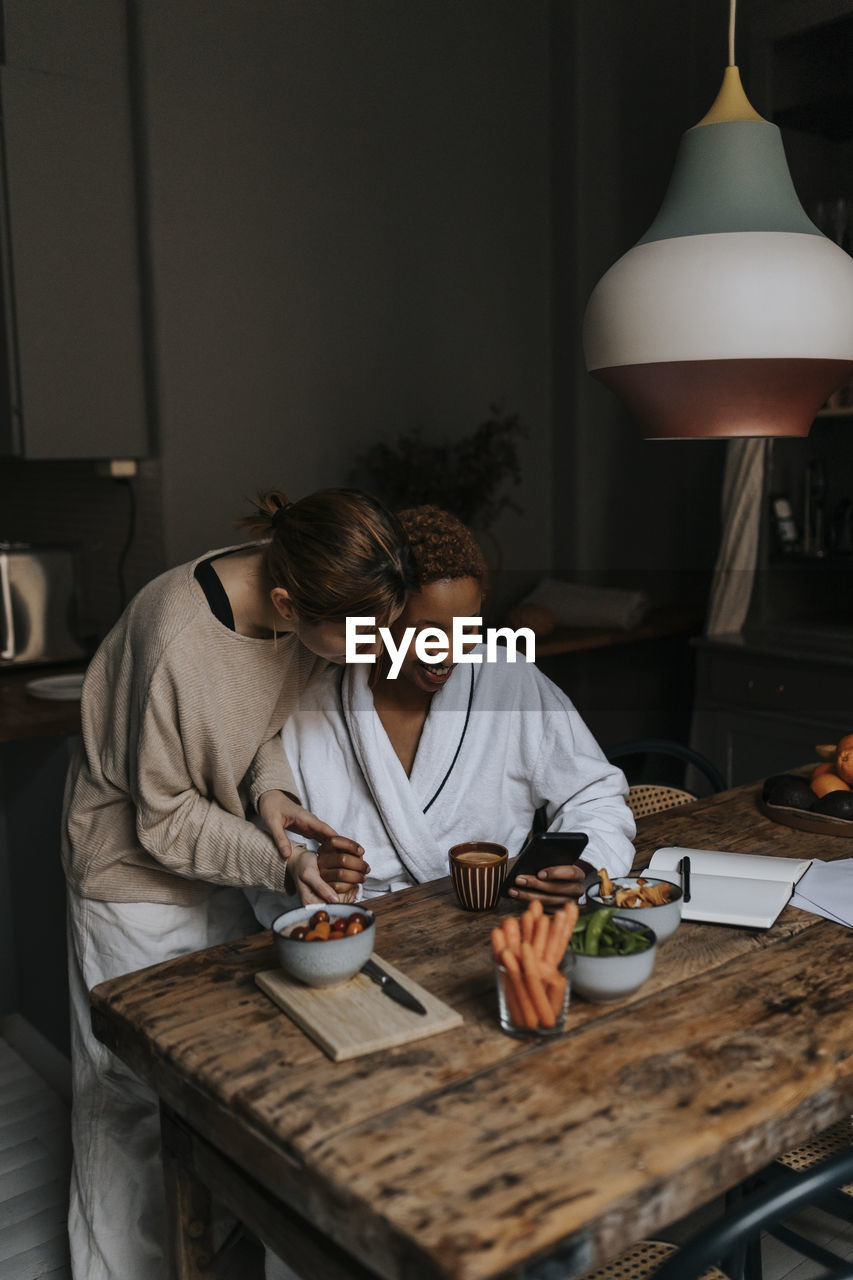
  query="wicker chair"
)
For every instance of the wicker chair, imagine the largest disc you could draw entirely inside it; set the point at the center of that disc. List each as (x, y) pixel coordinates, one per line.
(642, 1261)
(646, 798)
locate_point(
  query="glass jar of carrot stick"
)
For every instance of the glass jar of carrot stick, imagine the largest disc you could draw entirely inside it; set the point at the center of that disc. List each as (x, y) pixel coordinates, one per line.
(532, 964)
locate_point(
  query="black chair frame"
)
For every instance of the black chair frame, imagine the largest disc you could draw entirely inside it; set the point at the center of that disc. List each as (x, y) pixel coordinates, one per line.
(675, 750)
(834, 1201)
(727, 1241)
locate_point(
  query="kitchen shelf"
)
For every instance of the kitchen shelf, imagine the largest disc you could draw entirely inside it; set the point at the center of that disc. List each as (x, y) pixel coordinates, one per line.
(23, 717)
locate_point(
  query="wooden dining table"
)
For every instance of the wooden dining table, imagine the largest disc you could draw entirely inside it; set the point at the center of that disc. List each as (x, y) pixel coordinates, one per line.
(471, 1155)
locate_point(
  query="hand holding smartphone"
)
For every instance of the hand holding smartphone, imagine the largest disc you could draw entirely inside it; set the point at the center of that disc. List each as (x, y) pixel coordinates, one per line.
(546, 849)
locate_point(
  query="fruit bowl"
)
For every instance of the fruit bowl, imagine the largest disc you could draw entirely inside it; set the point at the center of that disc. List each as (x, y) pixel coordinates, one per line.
(788, 799)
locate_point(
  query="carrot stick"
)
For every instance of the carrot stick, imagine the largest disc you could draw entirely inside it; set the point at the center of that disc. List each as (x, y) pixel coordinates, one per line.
(533, 981)
(498, 942)
(558, 941)
(556, 991)
(525, 1004)
(563, 925)
(527, 925)
(541, 930)
(571, 911)
(512, 933)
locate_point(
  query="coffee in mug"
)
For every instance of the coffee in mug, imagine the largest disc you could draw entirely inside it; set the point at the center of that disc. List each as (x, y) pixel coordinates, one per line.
(477, 870)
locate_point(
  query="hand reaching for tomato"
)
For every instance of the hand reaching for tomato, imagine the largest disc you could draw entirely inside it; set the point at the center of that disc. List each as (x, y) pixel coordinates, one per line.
(553, 886)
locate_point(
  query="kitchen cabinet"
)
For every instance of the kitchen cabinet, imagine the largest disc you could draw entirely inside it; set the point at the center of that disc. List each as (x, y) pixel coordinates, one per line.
(763, 703)
(73, 382)
(36, 741)
(799, 56)
(34, 984)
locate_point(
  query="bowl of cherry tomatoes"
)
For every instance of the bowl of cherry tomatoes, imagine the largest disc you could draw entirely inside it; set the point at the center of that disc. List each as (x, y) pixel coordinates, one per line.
(324, 945)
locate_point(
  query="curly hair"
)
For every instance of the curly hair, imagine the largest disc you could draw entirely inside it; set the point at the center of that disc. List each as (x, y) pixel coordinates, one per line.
(442, 546)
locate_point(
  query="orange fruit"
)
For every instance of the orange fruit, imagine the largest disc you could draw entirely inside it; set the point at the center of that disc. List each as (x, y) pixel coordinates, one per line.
(844, 758)
(823, 768)
(827, 782)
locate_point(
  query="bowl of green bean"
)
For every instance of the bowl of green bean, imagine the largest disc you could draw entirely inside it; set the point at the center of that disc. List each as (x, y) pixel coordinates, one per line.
(611, 957)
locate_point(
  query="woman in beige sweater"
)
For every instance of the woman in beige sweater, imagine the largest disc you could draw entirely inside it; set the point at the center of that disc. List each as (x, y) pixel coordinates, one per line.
(182, 711)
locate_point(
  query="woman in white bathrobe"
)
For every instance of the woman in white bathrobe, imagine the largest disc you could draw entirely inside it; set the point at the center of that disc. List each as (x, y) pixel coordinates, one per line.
(443, 754)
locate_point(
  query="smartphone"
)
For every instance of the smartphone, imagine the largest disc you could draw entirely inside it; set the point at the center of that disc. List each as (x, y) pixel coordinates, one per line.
(546, 849)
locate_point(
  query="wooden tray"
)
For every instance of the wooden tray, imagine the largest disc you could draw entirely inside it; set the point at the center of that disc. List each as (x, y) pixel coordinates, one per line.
(819, 824)
(355, 1017)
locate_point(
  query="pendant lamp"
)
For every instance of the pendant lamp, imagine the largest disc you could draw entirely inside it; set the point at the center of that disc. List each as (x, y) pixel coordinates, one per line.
(733, 315)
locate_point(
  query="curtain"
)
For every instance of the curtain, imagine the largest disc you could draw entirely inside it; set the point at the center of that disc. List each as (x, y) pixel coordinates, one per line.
(734, 572)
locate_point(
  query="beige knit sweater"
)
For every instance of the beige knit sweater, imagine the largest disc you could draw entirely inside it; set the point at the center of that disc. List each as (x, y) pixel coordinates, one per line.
(181, 723)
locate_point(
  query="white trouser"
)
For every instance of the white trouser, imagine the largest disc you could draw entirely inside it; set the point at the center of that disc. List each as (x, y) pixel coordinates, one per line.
(117, 1216)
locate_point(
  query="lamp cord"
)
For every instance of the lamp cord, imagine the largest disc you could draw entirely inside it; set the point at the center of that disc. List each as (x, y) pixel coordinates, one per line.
(732, 4)
(128, 543)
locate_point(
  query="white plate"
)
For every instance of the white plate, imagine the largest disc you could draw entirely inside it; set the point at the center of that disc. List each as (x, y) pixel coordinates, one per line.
(57, 688)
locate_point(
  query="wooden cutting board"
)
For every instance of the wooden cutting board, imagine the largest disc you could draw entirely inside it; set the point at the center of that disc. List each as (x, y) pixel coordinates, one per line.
(356, 1017)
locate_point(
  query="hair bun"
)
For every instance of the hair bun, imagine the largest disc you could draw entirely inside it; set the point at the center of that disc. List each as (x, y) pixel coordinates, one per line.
(277, 515)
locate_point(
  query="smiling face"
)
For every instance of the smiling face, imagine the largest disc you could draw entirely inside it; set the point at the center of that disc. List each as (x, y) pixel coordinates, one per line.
(435, 605)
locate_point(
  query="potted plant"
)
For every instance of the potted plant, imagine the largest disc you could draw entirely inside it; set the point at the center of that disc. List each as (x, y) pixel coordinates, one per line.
(467, 476)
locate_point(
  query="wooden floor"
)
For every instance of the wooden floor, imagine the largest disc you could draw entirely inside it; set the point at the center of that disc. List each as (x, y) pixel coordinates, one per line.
(35, 1149)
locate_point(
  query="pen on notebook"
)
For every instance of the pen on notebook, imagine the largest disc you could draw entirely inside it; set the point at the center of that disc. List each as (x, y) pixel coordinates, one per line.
(684, 872)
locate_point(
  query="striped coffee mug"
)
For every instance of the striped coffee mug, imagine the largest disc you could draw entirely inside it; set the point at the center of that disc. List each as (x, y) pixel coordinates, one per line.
(477, 869)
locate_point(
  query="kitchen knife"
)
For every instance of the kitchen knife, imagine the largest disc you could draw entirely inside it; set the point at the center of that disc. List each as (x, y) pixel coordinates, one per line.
(391, 987)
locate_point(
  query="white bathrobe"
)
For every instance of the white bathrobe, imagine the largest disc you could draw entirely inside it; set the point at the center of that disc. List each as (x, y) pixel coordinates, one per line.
(500, 741)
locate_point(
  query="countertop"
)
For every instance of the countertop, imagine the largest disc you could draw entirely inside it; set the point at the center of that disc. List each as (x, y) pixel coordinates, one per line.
(818, 644)
(24, 717)
(667, 620)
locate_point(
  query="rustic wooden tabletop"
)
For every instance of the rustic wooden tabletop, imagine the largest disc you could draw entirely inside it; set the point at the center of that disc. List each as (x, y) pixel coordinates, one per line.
(469, 1153)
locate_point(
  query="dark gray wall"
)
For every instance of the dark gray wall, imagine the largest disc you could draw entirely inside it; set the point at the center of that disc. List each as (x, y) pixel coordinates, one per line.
(366, 216)
(628, 80)
(349, 212)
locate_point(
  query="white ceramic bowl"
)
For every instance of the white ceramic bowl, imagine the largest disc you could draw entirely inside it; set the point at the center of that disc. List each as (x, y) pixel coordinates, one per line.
(322, 964)
(601, 979)
(664, 920)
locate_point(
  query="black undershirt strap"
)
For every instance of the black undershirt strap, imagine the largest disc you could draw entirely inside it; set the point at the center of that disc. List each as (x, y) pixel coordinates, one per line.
(210, 583)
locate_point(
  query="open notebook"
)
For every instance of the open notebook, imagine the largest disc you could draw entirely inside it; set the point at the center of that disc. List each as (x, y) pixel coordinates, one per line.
(746, 889)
